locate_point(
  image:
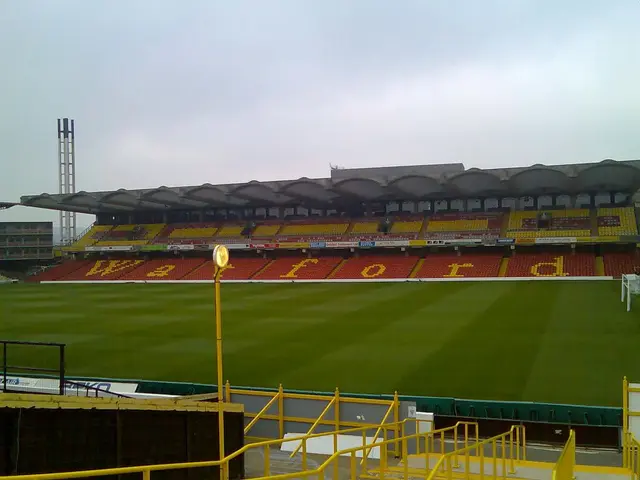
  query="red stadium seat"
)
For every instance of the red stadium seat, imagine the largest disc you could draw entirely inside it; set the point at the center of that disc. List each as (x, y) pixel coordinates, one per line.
(454, 266)
(238, 269)
(104, 270)
(59, 271)
(617, 264)
(551, 265)
(377, 266)
(164, 269)
(297, 268)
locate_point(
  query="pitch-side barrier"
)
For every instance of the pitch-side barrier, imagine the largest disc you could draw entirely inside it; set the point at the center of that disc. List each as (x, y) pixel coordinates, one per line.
(354, 280)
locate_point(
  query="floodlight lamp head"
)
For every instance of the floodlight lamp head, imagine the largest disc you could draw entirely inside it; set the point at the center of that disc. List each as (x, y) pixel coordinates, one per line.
(220, 256)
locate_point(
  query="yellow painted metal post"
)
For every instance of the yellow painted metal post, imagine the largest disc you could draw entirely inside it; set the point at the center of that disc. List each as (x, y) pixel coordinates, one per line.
(280, 411)
(216, 281)
(405, 458)
(625, 420)
(494, 454)
(304, 454)
(455, 447)
(396, 420)
(336, 412)
(227, 391)
(335, 450)
(146, 475)
(364, 450)
(481, 462)
(354, 468)
(383, 460)
(504, 459)
(267, 459)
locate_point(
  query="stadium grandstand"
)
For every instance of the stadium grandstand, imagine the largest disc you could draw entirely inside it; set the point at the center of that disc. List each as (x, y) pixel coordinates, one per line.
(431, 221)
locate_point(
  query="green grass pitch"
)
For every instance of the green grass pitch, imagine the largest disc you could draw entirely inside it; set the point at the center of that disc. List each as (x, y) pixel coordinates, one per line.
(565, 342)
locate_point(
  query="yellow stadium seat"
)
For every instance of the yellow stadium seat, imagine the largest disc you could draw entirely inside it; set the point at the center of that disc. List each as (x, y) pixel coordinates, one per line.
(627, 221)
(315, 229)
(265, 230)
(412, 226)
(230, 231)
(193, 232)
(365, 227)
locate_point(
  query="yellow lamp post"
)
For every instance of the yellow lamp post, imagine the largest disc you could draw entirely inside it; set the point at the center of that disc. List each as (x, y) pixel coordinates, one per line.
(220, 261)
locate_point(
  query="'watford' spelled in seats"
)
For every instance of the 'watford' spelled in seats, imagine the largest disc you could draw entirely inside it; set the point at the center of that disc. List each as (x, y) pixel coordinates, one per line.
(459, 266)
(619, 263)
(59, 271)
(296, 268)
(464, 225)
(104, 270)
(617, 221)
(374, 266)
(164, 269)
(551, 265)
(238, 269)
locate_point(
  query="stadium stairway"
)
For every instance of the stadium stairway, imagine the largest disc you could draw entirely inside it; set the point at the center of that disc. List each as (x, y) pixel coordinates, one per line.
(377, 266)
(337, 268)
(416, 268)
(238, 269)
(504, 266)
(293, 268)
(164, 269)
(455, 266)
(551, 265)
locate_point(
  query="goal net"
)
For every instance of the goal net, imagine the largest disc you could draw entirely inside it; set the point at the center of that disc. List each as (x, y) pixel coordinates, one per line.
(630, 286)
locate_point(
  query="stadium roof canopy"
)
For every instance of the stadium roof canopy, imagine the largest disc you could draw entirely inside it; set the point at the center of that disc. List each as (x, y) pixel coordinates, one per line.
(421, 182)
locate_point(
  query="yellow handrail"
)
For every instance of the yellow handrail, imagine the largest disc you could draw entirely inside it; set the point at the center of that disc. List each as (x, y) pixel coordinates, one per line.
(564, 467)
(315, 424)
(147, 469)
(255, 419)
(514, 438)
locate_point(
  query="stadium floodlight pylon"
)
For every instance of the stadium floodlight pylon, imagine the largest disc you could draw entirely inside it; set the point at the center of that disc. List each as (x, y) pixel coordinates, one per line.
(630, 286)
(67, 176)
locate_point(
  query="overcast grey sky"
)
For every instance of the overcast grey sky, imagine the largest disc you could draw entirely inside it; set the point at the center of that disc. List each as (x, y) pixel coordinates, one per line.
(187, 92)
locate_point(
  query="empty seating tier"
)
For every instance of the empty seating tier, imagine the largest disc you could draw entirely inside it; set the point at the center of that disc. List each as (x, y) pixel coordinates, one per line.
(266, 230)
(238, 269)
(407, 226)
(297, 268)
(549, 223)
(104, 270)
(365, 227)
(310, 229)
(551, 265)
(59, 272)
(230, 231)
(164, 269)
(130, 234)
(377, 266)
(459, 266)
(464, 225)
(617, 221)
(95, 233)
(617, 264)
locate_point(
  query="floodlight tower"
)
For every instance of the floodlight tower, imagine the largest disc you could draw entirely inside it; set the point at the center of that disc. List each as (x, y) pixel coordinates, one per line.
(67, 176)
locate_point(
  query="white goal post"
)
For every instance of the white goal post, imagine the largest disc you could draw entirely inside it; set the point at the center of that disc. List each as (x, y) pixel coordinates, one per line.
(630, 286)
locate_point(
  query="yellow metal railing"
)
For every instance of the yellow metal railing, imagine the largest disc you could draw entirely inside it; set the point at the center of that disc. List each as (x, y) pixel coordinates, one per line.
(565, 466)
(265, 471)
(631, 455)
(505, 450)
